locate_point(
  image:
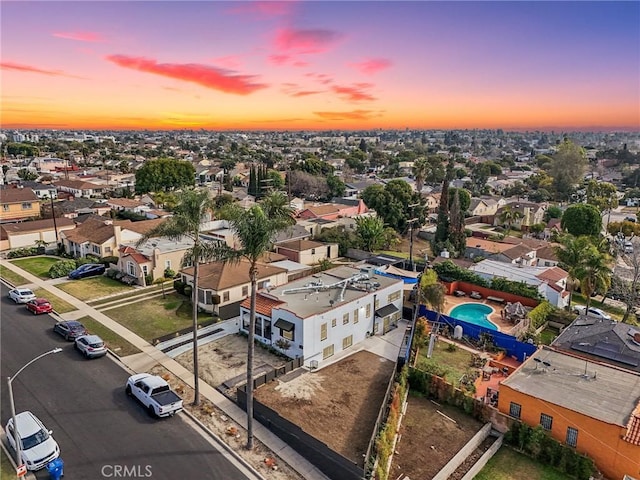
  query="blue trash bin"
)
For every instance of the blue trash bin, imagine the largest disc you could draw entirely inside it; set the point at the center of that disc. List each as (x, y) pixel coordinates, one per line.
(55, 469)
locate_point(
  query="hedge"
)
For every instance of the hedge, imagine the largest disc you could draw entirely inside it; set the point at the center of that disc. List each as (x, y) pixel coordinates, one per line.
(540, 314)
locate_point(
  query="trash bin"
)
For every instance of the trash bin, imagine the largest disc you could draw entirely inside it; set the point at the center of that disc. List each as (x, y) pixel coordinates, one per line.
(55, 469)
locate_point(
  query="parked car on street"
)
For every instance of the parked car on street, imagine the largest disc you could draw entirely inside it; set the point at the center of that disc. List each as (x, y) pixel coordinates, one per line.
(155, 394)
(39, 305)
(91, 346)
(21, 295)
(87, 270)
(593, 312)
(38, 447)
(70, 329)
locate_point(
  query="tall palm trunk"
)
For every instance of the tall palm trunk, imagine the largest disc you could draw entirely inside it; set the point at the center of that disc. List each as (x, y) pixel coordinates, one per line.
(194, 301)
(253, 274)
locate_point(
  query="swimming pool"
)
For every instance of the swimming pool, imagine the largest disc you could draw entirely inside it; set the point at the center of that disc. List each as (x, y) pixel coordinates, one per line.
(476, 313)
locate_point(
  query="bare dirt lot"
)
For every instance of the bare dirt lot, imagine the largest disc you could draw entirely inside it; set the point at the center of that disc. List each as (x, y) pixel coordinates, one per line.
(338, 404)
(225, 360)
(429, 439)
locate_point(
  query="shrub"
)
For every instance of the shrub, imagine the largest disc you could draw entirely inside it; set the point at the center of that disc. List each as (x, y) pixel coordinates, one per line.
(106, 261)
(84, 260)
(62, 268)
(168, 273)
(451, 271)
(188, 289)
(23, 252)
(540, 314)
(148, 279)
(179, 285)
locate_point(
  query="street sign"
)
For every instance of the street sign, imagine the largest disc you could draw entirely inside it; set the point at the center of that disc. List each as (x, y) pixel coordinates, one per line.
(21, 471)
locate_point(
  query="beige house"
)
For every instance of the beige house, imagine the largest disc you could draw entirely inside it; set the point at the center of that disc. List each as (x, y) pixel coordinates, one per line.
(223, 286)
(18, 204)
(483, 207)
(307, 252)
(26, 234)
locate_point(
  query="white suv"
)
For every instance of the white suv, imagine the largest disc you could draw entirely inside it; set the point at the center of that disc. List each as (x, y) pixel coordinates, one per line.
(593, 312)
(38, 446)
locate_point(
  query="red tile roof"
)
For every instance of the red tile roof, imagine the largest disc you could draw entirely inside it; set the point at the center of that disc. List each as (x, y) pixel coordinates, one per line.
(264, 305)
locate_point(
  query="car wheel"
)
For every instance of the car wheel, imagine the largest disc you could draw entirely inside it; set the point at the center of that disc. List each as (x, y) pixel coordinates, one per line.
(86, 354)
(66, 337)
(34, 312)
(128, 390)
(75, 345)
(152, 412)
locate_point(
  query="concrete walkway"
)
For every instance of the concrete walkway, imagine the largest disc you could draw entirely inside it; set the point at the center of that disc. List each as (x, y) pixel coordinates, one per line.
(150, 356)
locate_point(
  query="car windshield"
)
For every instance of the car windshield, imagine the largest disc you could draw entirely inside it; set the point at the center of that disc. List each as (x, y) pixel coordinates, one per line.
(35, 439)
(97, 345)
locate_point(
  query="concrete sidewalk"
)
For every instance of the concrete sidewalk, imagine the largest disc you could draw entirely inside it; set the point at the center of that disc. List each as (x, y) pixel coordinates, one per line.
(150, 356)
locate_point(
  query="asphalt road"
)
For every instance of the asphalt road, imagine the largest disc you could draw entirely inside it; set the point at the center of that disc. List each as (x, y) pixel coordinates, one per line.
(99, 429)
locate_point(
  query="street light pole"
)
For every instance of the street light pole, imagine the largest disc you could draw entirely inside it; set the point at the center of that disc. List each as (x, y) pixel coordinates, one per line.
(10, 380)
(53, 214)
(412, 206)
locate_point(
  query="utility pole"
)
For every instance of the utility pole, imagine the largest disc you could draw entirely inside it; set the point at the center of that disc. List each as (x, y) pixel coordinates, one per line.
(411, 265)
(53, 214)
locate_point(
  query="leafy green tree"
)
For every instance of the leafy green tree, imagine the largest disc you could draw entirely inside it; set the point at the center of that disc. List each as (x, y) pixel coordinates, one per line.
(567, 168)
(581, 219)
(164, 174)
(391, 202)
(464, 197)
(553, 211)
(255, 230)
(432, 292)
(277, 182)
(124, 166)
(602, 195)
(27, 175)
(194, 208)
(442, 226)
(336, 186)
(344, 238)
(508, 216)
(457, 235)
(370, 231)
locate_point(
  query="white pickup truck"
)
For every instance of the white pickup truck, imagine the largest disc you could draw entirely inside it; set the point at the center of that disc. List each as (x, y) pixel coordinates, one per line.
(155, 394)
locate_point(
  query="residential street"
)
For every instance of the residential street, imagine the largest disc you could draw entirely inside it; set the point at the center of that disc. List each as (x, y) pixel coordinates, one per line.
(95, 424)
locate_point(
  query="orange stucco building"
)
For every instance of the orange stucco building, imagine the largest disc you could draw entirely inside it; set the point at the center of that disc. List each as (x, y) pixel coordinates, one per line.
(584, 404)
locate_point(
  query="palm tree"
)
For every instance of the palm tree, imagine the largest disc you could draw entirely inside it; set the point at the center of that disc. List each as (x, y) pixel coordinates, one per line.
(255, 230)
(420, 170)
(370, 232)
(593, 273)
(508, 216)
(570, 253)
(194, 208)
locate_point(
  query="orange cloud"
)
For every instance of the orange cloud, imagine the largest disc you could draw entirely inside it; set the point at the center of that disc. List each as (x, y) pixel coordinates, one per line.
(352, 115)
(29, 69)
(264, 9)
(354, 94)
(293, 90)
(372, 65)
(92, 37)
(305, 41)
(209, 77)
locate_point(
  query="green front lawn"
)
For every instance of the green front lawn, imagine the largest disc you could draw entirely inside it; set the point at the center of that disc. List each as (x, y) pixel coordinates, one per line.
(13, 278)
(155, 317)
(115, 342)
(548, 335)
(93, 287)
(449, 362)
(508, 464)
(59, 305)
(38, 266)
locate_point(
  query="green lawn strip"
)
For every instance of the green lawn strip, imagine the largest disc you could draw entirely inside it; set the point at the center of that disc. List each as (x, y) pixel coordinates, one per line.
(394, 254)
(507, 464)
(59, 305)
(38, 266)
(133, 293)
(7, 469)
(547, 336)
(453, 364)
(93, 287)
(156, 316)
(115, 342)
(12, 277)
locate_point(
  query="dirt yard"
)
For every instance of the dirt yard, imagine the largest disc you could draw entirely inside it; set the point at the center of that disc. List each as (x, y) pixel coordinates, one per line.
(338, 404)
(429, 439)
(225, 360)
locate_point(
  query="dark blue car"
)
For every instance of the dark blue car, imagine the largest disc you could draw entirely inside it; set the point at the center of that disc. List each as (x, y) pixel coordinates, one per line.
(87, 270)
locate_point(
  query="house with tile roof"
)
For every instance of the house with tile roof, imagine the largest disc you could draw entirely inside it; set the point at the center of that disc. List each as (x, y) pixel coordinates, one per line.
(26, 234)
(334, 210)
(530, 214)
(18, 204)
(79, 188)
(223, 286)
(128, 204)
(318, 316)
(307, 252)
(585, 404)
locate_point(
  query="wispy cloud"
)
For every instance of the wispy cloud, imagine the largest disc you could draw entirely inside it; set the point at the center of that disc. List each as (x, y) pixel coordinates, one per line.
(323, 78)
(355, 93)
(264, 9)
(293, 90)
(351, 115)
(372, 66)
(92, 37)
(30, 69)
(207, 76)
(299, 41)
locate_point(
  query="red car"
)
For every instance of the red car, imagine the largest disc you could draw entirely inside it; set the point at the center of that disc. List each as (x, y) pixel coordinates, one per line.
(39, 305)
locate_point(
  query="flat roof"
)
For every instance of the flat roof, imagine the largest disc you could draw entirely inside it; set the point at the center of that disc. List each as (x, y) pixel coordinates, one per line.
(306, 302)
(604, 393)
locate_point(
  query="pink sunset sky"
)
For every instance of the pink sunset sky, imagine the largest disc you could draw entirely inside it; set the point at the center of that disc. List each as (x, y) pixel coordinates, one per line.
(320, 65)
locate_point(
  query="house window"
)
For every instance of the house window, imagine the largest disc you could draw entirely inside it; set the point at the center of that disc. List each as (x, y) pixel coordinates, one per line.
(131, 269)
(368, 310)
(263, 283)
(333, 322)
(225, 296)
(167, 264)
(287, 335)
(26, 206)
(245, 291)
(355, 316)
(515, 409)
(323, 332)
(313, 251)
(377, 304)
(245, 321)
(345, 319)
(572, 437)
(327, 352)
(546, 421)
(6, 208)
(95, 248)
(145, 270)
(347, 342)
(393, 297)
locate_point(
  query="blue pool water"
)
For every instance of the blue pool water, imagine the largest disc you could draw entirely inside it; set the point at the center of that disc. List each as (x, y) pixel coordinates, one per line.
(474, 313)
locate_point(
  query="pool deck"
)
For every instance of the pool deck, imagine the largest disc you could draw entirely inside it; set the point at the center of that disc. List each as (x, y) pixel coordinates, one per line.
(452, 301)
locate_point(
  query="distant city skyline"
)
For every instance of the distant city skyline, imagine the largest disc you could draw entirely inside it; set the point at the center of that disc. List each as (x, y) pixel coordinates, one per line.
(318, 65)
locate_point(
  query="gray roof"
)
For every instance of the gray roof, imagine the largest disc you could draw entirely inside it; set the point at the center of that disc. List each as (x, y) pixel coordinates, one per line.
(605, 393)
(601, 340)
(295, 232)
